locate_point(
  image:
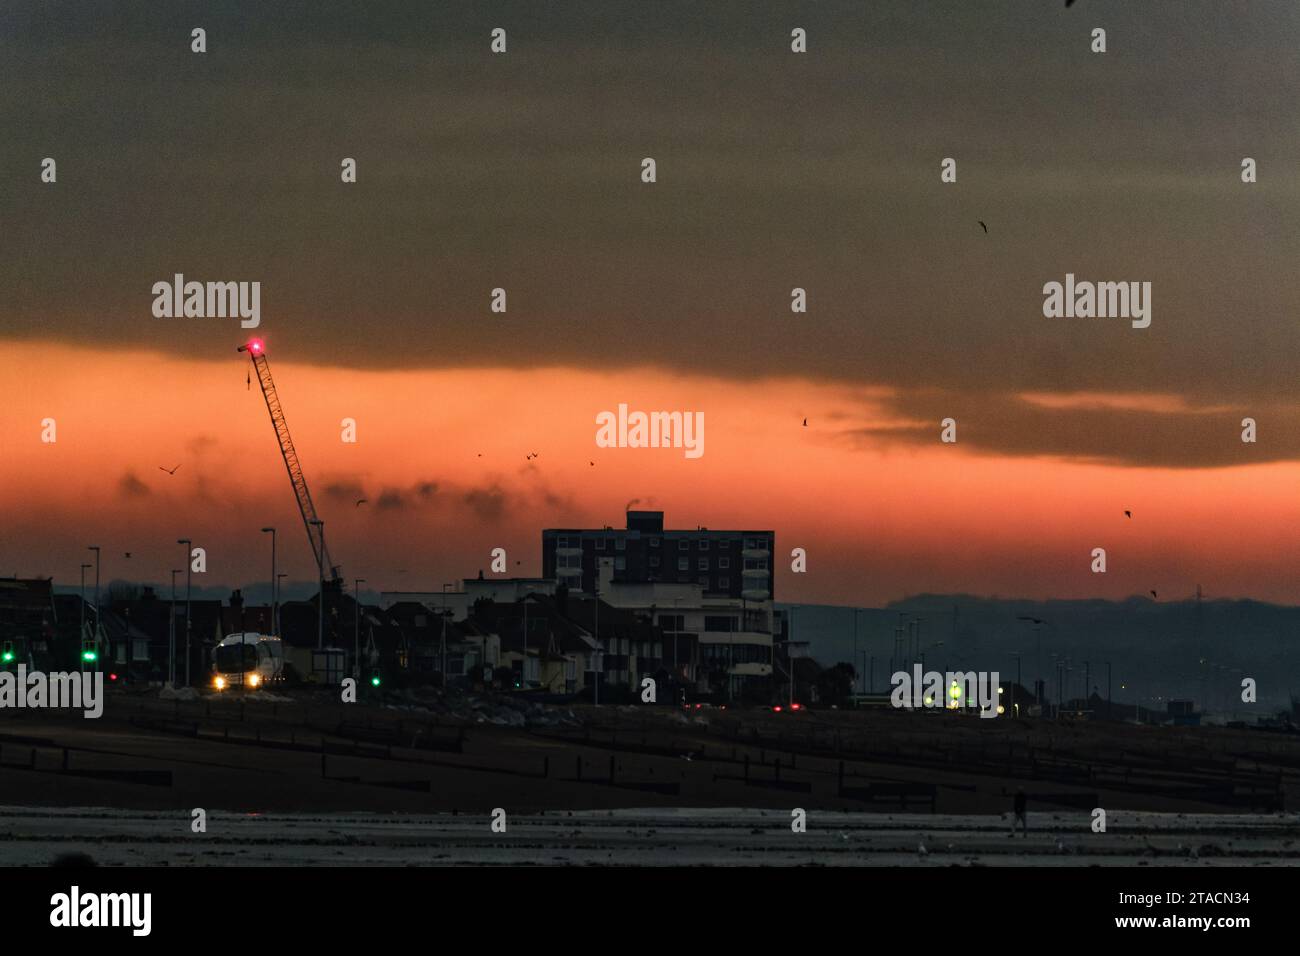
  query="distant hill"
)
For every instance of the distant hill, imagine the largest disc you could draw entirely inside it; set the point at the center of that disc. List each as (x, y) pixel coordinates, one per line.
(1158, 649)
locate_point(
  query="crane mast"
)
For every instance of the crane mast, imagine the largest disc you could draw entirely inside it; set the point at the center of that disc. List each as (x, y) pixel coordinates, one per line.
(315, 532)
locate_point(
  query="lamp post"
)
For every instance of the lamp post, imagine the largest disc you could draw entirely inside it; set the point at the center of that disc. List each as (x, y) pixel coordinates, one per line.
(855, 643)
(1108, 688)
(356, 630)
(599, 661)
(95, 548)
(82, 632)
(276, 619)
(1017, 655)
(444, 633)
(171, 634)
(189, 567)
(275, 596)
(320, 581)
(789, 653)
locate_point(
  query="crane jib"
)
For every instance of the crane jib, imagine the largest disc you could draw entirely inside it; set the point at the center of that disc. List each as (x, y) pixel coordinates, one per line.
(315, 532)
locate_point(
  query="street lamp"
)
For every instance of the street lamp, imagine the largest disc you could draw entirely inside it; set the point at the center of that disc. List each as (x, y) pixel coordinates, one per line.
(1017, 655)
(95, 548)
(855, 642)
(356, 629)
(171, 634)
(278, 592)
(320, 580)
(189, 567)
(789, 653)
(82, 635)
(275, 595)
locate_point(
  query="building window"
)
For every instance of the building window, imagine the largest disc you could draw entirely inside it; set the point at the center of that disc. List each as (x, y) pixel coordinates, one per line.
(562, 541)
(683, 564)
(683, 545)
(724, 584)
(654, 542)
(600, 544)
(654, 560)
(724, 563)
(672, 622)
(620, 564)
(620, 544)
(723, 623)
(704, 564)
(702, 581)
(704, 544)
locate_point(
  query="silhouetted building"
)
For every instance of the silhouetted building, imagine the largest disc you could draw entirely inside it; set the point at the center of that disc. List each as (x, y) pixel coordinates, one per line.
(735, 564)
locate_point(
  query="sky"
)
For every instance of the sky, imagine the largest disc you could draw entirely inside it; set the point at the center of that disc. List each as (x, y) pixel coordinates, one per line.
(775, 170)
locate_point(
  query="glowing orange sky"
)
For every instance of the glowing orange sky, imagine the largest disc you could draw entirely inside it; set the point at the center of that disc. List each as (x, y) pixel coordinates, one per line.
(877, 520)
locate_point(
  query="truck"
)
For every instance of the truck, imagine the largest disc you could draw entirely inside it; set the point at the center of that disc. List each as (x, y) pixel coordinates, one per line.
(249, 660)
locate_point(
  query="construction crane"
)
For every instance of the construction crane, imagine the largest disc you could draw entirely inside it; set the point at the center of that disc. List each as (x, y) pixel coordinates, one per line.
(256, 350)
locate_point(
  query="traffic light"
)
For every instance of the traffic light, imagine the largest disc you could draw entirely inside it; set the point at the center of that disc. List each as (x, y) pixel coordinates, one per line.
(374, 680)
(7, 653)
(88, 652)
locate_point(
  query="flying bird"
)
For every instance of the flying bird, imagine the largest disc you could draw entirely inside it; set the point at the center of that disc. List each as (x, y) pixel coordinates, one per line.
(1128, 514)
(170, 471)
(805, 423)
(592, 463)
(127, 553)
(984, 227)
(1154, 595)
(361, 501)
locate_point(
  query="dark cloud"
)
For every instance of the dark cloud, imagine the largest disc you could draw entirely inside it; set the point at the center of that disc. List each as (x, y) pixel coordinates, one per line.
(344, 490)
(768, 179)
(391, 499)
(488, 504)
(130, 486)
(1165, 434)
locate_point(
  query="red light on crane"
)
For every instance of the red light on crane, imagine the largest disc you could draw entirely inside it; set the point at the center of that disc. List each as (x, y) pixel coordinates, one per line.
(255, 346)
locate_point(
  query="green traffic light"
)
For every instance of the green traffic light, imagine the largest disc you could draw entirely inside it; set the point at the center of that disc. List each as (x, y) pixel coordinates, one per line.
(374, 682)
(8, 656)
(89, 656)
